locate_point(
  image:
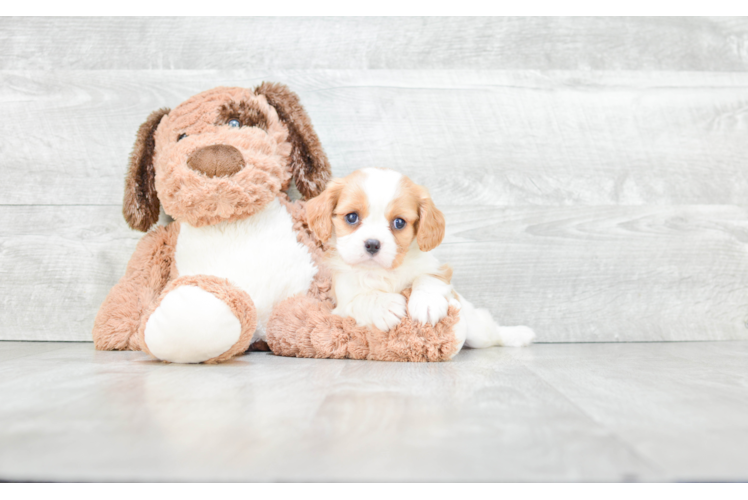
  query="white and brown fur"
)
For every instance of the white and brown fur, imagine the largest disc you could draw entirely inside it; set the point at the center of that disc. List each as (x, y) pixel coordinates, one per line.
(368, 284)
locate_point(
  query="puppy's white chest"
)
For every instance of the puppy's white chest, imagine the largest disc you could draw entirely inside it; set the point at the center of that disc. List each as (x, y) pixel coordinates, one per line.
(260, 255)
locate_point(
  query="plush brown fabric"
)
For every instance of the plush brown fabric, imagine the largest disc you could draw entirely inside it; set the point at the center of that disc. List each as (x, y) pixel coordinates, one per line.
(218, 160)
(190, 161)
(238, 301)
(141, 206)
(190, 196)
(308, 160)
(248, 113)
(275, 142)
(304, 327)
(148, 272)
(275, 139)
(321, 287)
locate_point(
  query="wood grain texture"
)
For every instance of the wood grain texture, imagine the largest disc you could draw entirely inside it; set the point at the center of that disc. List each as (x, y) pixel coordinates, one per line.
(593, 274)
(492, 138)
(14, 350)
(574, 412)
(57, 263)
(538, 43)
(575, 274)
(680, 406)
(594, 170)
(482, 417)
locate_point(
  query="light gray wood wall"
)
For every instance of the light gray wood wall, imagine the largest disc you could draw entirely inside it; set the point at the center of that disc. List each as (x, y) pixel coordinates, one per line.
(594, 171)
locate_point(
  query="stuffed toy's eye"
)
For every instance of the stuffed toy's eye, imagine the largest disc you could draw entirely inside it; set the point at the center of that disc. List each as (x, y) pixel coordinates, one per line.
(398, 223)
(351, 218)
(234, 123)
(181, 136)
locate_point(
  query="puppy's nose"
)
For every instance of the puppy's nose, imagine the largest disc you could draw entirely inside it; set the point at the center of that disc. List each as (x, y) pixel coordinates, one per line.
(372, 246)
(219, 160)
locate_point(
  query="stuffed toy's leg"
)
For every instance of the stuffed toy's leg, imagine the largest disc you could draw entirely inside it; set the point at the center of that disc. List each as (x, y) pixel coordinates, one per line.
(305, 327)
(147, 274)
(198, 319)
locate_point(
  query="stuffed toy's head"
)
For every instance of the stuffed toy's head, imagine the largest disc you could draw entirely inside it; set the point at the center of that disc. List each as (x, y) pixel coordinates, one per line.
(222, 155)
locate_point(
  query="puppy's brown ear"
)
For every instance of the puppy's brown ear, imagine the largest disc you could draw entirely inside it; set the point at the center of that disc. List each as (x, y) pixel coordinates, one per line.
(319, 210)
(140, 206)
(308, 162)
(430, 223)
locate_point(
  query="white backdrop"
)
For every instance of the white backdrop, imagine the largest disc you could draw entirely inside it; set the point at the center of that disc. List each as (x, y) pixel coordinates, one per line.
(593, 171)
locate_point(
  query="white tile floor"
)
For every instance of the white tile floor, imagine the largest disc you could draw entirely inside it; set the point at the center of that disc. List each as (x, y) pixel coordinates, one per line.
(568, 412)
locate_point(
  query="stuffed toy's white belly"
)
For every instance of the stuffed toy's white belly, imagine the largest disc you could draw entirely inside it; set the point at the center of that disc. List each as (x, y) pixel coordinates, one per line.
(259, 255)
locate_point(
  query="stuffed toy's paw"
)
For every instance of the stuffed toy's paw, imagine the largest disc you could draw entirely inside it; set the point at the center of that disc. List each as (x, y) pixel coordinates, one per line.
(198, 319)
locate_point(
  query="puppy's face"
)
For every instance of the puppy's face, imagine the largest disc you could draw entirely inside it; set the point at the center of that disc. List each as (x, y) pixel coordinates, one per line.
(374, 217)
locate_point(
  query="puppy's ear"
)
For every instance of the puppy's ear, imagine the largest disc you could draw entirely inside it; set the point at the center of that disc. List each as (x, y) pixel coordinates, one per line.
(140, 206)
(308, 162)
(319, 210)
(430, 223)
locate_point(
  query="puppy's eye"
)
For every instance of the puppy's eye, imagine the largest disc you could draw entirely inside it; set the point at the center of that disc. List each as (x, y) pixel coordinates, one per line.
(181, 136)
(351, 218)
(398, 223)
(234, 123)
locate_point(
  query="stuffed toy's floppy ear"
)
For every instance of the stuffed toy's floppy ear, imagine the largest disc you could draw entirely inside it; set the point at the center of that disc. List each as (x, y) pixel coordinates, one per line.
(308, 162)
(140, 206)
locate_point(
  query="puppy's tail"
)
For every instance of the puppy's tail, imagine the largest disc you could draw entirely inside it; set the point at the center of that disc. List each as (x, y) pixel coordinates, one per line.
(483, 331)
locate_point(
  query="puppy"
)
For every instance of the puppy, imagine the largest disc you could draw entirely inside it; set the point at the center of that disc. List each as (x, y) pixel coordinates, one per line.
(380, 228)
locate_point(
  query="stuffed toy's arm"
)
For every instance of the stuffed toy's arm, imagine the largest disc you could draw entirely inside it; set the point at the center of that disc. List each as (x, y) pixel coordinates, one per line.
(147, 274)
(305, 327)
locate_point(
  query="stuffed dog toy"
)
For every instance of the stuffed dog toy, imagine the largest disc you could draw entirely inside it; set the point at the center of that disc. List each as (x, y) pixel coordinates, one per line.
(238, 262)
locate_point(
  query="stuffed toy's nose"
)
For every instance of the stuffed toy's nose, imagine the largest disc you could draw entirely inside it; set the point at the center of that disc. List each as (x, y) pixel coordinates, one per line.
(219, 160)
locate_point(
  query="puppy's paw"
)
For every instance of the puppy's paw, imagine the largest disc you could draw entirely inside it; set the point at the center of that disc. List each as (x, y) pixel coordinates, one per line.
(389, 310)
(427, 307)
